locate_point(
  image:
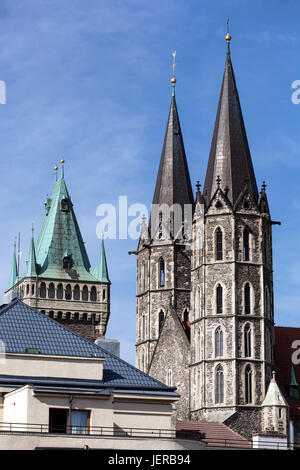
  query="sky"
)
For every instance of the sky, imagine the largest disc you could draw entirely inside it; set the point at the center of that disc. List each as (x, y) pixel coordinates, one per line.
(90, 82)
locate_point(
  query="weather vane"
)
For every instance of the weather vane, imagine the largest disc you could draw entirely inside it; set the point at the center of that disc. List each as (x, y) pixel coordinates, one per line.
(173, 67)
(228, 37)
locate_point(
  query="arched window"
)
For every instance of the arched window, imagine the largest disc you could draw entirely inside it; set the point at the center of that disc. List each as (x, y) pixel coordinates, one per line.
(51, 291)
(219, 244)
(246, 237)
(219, 384)
(144, 326)
(32, 289)
(76, 292)
(103, 294)
(43, 290)
(27, 289)
(185, 316)
(219, 298)
(247, 299)
(67, 263)
(93, 294)
(219, 342)
(143, 276)
(267, 302)
(248, 384)
(169, 378)
(65, 206)
(68, 292)
(85, 293)
(247, 341)
(161, 273)
(60, 291)
(161, 317)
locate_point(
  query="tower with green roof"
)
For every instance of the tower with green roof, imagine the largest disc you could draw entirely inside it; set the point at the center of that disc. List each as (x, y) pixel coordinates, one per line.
(59, 279)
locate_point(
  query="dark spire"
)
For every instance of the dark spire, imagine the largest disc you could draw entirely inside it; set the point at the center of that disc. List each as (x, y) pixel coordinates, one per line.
(173, 183)
(229, 156)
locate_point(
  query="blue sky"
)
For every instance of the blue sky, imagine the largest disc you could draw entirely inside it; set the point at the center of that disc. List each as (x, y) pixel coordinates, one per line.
(91, 81)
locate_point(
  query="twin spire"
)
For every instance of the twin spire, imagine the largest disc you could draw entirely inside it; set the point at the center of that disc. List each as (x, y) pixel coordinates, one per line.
(230, 165)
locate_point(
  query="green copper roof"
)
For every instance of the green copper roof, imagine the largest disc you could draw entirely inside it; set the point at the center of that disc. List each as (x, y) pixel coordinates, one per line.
(60, 250)
(293, 381)
(13, 271)
(31, 262)
(100, 271)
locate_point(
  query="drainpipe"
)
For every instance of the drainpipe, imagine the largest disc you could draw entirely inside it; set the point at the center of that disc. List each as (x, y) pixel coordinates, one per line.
(70, 410)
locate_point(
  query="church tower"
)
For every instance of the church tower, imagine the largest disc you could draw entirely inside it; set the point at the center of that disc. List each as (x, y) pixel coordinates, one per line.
(59, 280)
(163, 257)
(232, 320)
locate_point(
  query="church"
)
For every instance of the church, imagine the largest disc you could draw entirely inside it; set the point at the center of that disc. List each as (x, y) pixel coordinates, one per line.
(205, 312)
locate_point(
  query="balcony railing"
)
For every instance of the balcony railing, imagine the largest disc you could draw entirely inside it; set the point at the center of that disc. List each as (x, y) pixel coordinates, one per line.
(95, 431)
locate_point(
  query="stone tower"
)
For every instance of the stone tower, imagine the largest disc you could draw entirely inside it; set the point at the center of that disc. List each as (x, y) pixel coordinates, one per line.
(232, 321)
(59, 280)
(163, 260)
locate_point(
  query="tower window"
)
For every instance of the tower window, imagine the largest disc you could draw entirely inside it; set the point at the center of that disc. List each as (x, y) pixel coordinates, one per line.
(219, 342)
(51, 291)
(60, 291)
(76, 292)
(219, 384)
(247, 298)
(246, 237)
(247, 341)
(67, 263)
(248, 385)
(144, 326)
(169, 378)
(93, 294)
(68, 292)
(161, 273)
(43, 290)
(219, 298)
(219, 244)
(85, 293)
(65, 205)
(161, 317)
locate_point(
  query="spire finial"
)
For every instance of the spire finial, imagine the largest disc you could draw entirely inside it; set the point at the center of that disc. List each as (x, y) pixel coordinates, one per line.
(62, 167)
(228, 37)
(15, 242)
(173, 80)
(32, 228)
(198, 186)
(55, 169)
(218, 181)
(273, 374)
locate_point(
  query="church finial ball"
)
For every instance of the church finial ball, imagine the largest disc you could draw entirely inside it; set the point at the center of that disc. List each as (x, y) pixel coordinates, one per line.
(62, 161)
(228, 37)
(55, 168)
(173, 81)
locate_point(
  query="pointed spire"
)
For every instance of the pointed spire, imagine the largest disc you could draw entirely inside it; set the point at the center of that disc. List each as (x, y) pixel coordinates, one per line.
(31, 262)
(274, 397)
(101, 271)
(229, 157)
(13, 270)
(62, 168)
(173, 185)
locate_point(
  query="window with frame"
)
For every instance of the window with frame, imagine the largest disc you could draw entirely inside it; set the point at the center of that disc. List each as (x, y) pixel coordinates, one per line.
(161, 317)
(219, 244)
(161, 273)
(246, 245)
(219, 384)
(248, 384)
(219, 342)
(247, 341)
(247, 299)
(219, 299)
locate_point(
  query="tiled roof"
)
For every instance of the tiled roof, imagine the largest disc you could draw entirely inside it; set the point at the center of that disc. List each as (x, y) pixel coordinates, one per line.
(23, 327)
(284, 338)
(214, 434)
